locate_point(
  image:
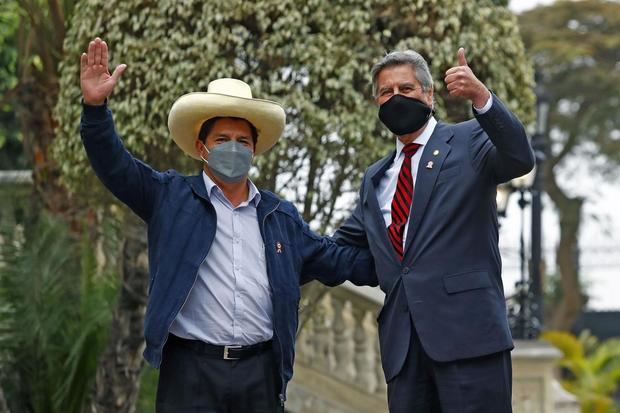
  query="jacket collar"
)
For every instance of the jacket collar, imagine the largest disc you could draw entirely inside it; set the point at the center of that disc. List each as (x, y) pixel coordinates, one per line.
(268, 200)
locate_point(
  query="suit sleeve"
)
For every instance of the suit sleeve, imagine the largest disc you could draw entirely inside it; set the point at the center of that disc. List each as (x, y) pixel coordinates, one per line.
(502, 147)
(353, 231)
(131, 181)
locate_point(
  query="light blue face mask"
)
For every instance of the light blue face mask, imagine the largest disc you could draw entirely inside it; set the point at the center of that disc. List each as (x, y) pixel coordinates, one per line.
(229, 161)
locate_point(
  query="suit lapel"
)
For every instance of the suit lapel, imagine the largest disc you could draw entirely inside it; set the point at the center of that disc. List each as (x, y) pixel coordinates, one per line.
(435, 152)
(370, 199)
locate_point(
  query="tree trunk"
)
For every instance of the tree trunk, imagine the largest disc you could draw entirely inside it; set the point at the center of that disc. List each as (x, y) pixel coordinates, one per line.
(4, 408)
(117, 382)
(35, 100)
(563, 315)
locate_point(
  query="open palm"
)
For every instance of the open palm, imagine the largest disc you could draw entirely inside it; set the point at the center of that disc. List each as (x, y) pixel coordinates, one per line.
(95, 79)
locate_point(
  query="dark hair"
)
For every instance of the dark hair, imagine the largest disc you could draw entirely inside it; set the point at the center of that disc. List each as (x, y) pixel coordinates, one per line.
(207, 125)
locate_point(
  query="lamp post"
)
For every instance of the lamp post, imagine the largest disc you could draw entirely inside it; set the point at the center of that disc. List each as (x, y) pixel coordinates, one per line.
(520, 309)
(525, 310)
(539, 144)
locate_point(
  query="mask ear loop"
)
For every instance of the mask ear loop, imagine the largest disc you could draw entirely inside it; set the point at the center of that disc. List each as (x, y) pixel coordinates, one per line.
(433, 112)
(208, 151)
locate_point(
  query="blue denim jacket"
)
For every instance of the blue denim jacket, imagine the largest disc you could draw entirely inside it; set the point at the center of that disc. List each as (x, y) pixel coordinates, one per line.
(181, 227)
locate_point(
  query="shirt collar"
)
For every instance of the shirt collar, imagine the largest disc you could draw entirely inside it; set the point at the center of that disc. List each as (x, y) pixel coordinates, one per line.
(420, 140)
(253, 195)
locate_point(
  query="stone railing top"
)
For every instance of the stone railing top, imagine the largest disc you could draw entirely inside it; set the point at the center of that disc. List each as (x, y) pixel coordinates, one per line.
(16, 177)
(372, 294)
(535, 349)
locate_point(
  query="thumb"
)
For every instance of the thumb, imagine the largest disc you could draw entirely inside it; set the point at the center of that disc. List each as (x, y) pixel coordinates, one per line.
(116, 75)
(461, 56)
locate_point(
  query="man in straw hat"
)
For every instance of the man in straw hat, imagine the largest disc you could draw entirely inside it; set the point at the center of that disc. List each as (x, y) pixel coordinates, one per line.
(225, 258)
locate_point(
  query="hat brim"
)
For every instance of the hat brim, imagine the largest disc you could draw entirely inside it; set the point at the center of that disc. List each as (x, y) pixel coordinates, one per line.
(190, 111)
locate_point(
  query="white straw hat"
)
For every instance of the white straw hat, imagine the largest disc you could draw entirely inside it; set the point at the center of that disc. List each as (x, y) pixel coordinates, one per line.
(227, 98)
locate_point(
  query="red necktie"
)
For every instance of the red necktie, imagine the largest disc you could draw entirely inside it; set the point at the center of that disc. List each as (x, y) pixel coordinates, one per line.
(401, 203)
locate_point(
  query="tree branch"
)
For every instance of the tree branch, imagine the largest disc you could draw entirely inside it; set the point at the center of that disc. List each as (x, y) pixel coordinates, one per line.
(58, 23)
(570, 144)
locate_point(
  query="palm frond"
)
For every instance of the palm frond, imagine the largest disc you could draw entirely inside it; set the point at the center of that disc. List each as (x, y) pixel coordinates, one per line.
(56, 307)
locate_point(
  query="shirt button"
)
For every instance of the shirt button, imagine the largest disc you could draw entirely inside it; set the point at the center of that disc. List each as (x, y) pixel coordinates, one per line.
(405, 270)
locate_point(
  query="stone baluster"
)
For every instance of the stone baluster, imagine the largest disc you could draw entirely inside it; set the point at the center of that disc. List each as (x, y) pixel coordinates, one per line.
(343, 340)
(381, 387)
(321, 340)
(303, 347)
(363, 365)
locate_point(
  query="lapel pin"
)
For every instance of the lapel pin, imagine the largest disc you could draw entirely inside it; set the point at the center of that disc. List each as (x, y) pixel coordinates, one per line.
(278, 247)
(429, 165)
(436, 152)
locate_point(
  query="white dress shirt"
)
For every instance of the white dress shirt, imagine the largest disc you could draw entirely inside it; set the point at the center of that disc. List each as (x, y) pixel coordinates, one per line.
(387, 185)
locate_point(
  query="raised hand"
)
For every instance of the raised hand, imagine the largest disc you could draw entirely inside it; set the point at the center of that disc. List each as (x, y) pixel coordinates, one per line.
(461, 81)
(95, 79)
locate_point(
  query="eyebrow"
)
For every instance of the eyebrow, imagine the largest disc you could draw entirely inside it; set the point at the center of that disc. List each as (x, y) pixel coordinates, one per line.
(400, 86)
(225, 135)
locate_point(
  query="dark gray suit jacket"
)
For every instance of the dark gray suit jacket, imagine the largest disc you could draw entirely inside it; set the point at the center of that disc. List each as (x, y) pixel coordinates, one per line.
(449, 282)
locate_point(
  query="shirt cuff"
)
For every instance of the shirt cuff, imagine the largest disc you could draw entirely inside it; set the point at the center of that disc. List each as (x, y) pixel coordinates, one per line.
(486, 107)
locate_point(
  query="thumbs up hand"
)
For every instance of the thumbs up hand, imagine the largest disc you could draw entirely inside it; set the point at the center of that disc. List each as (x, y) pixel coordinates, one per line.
(461, 81)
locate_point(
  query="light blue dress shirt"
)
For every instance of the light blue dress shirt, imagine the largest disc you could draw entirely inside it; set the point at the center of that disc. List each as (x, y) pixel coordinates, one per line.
(230, 302)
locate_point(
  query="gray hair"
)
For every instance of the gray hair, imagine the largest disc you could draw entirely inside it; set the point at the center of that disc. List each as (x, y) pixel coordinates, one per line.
(405, 57)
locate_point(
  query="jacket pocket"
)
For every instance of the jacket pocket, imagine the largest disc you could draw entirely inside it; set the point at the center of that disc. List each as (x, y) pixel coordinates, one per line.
(473, 280)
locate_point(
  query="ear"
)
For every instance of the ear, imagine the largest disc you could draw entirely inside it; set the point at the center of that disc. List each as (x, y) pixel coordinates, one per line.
(199, 146)
(428, 97)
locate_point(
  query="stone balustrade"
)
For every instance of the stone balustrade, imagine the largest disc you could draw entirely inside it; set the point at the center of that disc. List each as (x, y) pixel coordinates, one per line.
(338, 365)
(15, 191)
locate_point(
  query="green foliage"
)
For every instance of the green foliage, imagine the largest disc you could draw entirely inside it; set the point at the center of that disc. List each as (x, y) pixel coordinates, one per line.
(148, 390)
(31, 38)
(56, 306)
(312, 56)
(593, 368)
(10, 139)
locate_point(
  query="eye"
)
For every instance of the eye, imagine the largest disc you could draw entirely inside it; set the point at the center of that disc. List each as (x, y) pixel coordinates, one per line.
(385, 92)
(407, 89)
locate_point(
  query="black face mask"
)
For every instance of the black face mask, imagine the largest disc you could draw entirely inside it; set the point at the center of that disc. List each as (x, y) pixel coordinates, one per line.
(403, 115)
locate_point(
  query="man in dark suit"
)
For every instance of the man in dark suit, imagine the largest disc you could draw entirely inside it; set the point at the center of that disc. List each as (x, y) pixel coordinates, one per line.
(427, 211)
